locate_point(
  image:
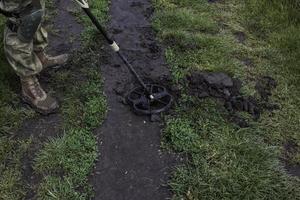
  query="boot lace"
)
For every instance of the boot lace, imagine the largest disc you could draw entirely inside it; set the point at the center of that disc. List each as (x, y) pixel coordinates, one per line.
(35, 89)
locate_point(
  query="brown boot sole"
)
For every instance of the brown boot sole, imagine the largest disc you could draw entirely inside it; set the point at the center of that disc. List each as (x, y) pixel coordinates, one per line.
(40, 111)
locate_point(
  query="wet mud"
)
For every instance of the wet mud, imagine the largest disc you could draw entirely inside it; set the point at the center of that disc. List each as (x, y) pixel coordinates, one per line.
(227, 89)
(131, 164)
(65, 35)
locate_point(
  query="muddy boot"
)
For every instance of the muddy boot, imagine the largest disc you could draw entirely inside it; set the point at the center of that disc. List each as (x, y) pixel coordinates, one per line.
(49, 61)
(36, 97)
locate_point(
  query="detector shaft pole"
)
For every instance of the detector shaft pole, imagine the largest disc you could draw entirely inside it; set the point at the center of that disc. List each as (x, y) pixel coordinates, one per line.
(98, 25)
(130, 67)
(114, 46)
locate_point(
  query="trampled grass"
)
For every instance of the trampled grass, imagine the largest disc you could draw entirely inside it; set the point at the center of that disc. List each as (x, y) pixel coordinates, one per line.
(225, 161)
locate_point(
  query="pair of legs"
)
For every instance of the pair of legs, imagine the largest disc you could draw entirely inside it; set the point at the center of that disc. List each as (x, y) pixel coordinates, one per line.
(28, 59)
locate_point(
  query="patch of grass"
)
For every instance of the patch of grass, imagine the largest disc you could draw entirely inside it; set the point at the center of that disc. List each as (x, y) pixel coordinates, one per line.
(58, 188)
(11, 155)
(72, 155)
(197, 41)
(225, 161)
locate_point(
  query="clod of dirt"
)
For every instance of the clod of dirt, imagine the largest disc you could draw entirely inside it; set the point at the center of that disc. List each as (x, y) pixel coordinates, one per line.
(239, 121)
(247, 62)
(240, 36)
(290, 149)
(264, 86)
(217, 85)
(221, 86)
(218, 80)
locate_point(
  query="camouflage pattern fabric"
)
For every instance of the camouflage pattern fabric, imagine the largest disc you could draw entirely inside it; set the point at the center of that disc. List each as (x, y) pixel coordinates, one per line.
(20, 55)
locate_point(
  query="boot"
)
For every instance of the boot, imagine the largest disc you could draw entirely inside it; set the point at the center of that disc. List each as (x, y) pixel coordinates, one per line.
(49, 61)
(36, 97)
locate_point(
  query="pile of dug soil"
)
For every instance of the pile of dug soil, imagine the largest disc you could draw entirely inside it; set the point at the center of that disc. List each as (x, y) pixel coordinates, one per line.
(228, 90)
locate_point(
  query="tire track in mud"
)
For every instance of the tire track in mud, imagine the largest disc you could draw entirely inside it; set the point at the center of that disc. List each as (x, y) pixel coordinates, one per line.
(131, 164)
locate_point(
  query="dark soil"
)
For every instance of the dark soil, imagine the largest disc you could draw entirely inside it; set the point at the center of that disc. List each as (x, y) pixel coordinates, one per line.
(131, 165)
(291, 149)
(68, 29)
(247, 62)
(227, 89)
(240, 36)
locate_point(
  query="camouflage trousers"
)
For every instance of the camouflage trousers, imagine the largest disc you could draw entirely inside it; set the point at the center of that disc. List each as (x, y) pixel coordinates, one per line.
(22, 55)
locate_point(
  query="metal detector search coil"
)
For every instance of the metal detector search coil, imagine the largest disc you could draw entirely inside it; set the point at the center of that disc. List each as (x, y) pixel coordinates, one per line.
(143, 103)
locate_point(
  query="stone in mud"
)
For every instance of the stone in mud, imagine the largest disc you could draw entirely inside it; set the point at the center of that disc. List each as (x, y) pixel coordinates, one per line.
(218, 80)
(226, 93)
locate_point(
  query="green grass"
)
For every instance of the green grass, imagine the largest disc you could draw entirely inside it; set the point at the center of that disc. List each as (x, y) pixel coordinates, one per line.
(64, 163)
(11, 154)
(225, 161)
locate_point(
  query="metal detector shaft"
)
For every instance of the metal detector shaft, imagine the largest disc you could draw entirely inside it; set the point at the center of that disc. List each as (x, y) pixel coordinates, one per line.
(114, 46)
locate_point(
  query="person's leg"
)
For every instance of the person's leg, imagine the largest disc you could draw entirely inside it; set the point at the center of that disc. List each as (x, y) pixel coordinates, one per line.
(27, 65)
(20, 55)
(40, 39)
(40, 42)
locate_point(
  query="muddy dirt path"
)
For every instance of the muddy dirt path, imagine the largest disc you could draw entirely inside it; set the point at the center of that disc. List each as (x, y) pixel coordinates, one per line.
(66, 36)
(131, 165)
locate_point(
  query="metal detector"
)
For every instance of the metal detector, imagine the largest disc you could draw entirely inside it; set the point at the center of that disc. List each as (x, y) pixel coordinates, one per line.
(147, 99)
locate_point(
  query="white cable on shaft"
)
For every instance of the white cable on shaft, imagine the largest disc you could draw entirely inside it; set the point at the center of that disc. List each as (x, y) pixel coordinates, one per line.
(115, 47)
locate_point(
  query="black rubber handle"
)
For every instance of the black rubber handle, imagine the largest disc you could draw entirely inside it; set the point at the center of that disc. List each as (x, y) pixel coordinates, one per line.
(98, 25)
